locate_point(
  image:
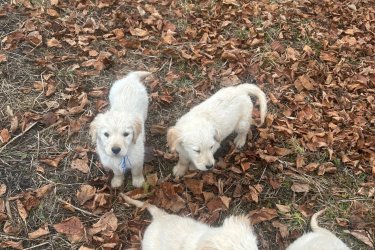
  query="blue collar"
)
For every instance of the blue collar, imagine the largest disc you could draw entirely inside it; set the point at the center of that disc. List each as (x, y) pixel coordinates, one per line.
(124, 163)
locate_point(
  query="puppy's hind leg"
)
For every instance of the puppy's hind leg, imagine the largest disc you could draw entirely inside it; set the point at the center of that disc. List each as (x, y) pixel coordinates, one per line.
(181, 167)
(243, 127)
(137, 175)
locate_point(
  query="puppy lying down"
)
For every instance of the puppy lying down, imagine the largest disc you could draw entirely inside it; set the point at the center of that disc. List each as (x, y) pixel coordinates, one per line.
(197, 134)
(172, 232)
(318, 239)
(119, 132)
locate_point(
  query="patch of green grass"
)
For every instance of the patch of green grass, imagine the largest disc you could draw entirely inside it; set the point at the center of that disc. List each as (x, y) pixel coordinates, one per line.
(287, 183)
(337, 162)
(295, 145)
(272, 33)
(184, 80)
(321, 157)
(297, 220)
(38, 3)
(242, 34)
(181, 24)
(339, 210)
(65, 72)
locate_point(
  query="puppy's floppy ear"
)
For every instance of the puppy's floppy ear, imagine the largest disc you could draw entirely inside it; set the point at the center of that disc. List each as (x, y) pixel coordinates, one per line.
(94, 127)
(173, 138)
(137, 129)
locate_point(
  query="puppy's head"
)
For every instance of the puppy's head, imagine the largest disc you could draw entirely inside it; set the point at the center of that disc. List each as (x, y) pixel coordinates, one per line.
(198, 143)
(114, 132)
(235, 233)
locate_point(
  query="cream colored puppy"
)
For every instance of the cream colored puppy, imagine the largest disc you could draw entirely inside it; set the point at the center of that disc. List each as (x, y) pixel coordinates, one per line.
(318, 239)
(197, 134)
(172, 232)
(119, 132)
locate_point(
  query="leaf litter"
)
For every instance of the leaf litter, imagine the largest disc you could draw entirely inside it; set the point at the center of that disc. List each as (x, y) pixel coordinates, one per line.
(317, 144)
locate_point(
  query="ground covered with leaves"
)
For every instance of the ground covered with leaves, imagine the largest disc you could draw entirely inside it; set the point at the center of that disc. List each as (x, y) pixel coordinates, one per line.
(314, 60)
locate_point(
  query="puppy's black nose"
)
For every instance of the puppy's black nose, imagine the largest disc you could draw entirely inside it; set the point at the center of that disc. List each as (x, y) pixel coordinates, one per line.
(116, 150)
(209, 166)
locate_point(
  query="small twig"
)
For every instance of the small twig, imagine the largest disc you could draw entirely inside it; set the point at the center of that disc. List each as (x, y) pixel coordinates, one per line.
(264, 170)
(59, 183)
(15, 138)
(170, 65)
(79, 209)
(162, 66)
(39, 245)
(34, 48)
(7, 207)
(11, 237)
(51, 126)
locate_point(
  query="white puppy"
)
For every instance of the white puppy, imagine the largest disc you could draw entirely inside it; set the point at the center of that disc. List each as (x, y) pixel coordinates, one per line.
(172, 232)
(119, 132)
(318, 239)
(197, 134)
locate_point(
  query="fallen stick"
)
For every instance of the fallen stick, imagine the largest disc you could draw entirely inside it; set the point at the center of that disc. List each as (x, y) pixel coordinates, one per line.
(19, 135)
(77, 208)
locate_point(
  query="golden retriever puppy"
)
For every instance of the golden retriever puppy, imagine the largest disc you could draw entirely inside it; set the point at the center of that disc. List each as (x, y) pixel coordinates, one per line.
(172, 232)
(197, 134)
(119, 132)
(318, 239)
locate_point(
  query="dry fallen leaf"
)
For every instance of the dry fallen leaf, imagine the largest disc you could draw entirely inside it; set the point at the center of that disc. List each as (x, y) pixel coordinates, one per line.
(4, 135)
(81, 165)
(43, 190)
(54, 162)
(262, 214)
(138, 32)
(42, 231)
(3, 58)
(107, 222)
(85, 193)
(300, 187)
(21, 210)
(195, 186)
(3, 189)
(283, 209)
(268, 158)
(363, 236)
(11, 244)
(53, 42)
(72, 227)
(283, 229)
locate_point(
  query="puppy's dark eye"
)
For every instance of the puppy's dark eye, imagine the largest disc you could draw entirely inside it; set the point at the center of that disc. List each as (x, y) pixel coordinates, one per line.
(106, 134)
(197, 150)
(211, 147)
(125, 134)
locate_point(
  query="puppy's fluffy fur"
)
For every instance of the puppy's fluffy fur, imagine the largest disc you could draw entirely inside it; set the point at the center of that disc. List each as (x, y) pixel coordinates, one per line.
(197, 134)
(119, 132)
(172, 232)
(318, 239)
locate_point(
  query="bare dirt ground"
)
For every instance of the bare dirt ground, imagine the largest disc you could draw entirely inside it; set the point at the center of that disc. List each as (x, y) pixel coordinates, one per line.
(314, 60)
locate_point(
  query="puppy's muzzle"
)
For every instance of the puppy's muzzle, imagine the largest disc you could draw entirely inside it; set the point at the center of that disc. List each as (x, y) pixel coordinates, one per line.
(209, 166)
(116, 150)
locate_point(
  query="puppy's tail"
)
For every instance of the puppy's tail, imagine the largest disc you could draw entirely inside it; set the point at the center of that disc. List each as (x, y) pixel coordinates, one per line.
(138, 75)
(314, 222)
(254, 90)
(154, 211)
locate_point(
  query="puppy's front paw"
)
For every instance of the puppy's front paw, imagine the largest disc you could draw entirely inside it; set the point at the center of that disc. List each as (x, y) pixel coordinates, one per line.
(117, 181)
(138, 181)
(178, 170)
(239, 141)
